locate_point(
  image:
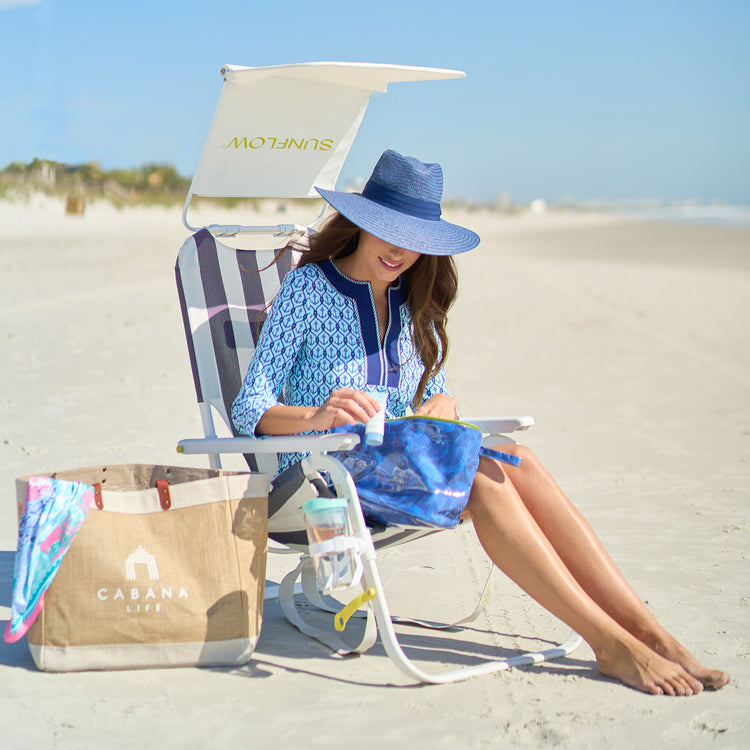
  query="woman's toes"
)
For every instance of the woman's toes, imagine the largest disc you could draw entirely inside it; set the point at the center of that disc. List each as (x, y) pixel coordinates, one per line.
(685, 685)
(715, 679)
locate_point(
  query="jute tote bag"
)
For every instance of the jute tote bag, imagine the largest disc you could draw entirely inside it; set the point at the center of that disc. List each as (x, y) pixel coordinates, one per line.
(168, 569)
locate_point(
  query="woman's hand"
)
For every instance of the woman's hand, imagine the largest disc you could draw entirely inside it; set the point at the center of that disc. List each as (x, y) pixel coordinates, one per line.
(440, 405)
(344, 406)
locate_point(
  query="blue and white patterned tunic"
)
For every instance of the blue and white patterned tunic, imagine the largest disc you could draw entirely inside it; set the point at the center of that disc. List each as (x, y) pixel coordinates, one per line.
(322, 334)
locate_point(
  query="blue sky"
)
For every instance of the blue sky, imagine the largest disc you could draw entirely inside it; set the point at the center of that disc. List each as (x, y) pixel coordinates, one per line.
(579, 99)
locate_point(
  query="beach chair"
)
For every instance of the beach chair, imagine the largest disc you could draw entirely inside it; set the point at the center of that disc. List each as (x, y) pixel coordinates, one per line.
(276, 133)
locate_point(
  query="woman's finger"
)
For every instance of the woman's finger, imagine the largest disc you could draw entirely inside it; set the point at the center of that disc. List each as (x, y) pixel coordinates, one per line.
(343, 408)
(440, 405)
(357, 402)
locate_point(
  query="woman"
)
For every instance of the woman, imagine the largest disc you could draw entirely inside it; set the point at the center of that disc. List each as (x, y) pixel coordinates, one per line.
(366, 311)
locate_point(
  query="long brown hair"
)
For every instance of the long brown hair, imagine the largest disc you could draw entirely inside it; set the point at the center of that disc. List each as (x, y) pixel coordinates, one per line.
(431, 283)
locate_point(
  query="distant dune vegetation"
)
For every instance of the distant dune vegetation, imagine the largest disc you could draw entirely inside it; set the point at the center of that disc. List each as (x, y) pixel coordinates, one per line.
(150, 184)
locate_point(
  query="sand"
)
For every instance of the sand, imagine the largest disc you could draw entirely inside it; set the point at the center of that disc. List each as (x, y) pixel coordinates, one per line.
(625, 340)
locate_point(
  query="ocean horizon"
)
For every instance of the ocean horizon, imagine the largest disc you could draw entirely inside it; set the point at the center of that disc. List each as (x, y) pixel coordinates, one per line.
(711, 214)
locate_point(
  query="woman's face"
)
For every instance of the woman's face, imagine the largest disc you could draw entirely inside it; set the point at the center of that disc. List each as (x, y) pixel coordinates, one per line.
(375, 260)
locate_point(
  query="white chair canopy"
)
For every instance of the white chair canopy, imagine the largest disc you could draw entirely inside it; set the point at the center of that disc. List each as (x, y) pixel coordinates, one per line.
(278, 131)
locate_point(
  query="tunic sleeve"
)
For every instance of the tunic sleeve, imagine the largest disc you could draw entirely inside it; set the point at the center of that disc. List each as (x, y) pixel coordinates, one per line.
(279, 345)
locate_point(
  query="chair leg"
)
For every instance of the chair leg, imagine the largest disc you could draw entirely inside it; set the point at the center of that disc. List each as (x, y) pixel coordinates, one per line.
(402, 661)
(371, 578)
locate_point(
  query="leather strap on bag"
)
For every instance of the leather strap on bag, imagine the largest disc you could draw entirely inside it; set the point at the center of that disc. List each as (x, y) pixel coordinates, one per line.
(162, 487)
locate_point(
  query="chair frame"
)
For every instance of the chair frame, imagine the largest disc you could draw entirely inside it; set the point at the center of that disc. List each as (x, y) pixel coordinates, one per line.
(379, 618)
(318, 461)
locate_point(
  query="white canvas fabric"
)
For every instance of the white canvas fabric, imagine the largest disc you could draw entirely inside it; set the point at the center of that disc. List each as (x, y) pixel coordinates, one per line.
(258, 146)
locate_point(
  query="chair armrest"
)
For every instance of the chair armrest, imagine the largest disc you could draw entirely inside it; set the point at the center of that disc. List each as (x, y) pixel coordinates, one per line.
(501, 425)
(274, 444)
(318, 443)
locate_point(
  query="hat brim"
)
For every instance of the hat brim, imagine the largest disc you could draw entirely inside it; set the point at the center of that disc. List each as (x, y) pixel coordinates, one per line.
(438, 237)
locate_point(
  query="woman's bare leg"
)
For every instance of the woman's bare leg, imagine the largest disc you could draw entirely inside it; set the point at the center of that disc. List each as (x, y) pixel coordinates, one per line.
(517, 545)
(585, 557)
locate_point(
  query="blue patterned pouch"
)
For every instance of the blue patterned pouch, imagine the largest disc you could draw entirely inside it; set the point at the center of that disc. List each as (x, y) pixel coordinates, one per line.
(422, 473)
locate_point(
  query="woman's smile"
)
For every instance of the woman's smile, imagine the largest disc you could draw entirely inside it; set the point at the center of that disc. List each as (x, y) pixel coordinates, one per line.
(392, 265)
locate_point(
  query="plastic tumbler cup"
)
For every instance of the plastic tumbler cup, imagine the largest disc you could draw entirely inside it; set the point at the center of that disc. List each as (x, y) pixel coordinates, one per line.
(375, 425)
(333, 550)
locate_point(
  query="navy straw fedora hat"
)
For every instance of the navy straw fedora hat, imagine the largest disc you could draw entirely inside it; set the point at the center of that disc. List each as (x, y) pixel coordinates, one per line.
(400, 204)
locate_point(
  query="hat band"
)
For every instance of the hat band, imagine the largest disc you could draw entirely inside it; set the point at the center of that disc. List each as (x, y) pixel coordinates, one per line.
(405, 204)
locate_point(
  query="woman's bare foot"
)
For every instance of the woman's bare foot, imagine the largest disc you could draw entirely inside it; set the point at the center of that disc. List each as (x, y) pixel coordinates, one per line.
(635, 664)
(671, 649)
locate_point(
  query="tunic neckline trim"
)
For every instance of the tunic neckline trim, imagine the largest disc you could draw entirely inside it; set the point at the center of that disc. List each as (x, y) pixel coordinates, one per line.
(382, 358)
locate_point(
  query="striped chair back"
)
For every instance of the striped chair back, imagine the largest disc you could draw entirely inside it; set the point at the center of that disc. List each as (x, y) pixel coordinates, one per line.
(224, 293)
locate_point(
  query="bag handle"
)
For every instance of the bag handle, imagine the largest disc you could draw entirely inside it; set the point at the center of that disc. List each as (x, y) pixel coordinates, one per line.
(162, 487)
(98, 495)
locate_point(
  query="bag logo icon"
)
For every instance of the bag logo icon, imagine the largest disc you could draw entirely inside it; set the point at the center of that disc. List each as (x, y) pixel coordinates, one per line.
(141, 557)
